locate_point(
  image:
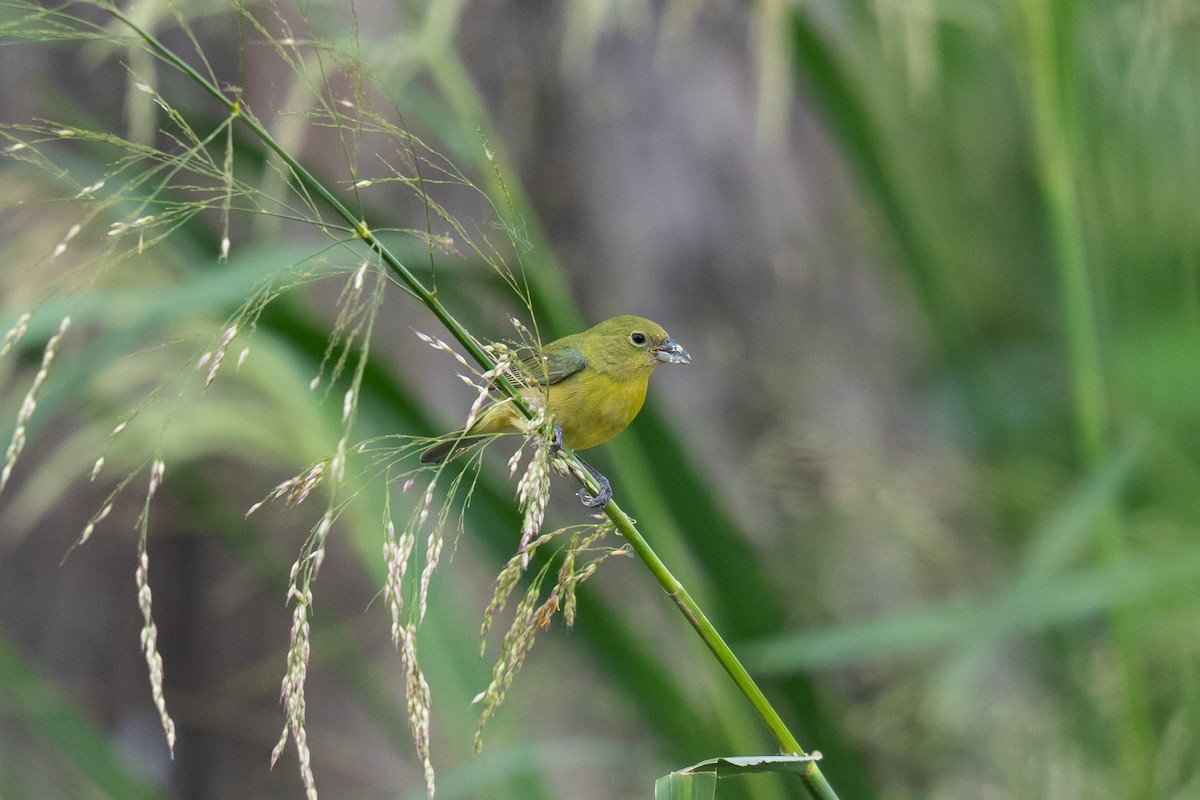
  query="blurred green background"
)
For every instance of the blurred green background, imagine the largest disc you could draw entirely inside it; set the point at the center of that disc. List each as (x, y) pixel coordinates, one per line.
(934, 470)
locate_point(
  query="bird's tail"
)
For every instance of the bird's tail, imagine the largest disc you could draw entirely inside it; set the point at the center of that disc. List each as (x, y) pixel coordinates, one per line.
(494, 419)
(444, 450)
(454, 445)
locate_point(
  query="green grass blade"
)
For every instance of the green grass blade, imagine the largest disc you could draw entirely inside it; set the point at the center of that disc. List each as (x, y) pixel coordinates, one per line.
(686, 786)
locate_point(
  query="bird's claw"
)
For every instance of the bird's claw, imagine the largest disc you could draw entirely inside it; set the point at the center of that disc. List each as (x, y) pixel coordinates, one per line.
(600, 500)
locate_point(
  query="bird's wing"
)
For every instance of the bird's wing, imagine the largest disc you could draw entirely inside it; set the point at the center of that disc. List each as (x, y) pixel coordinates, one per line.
(555, 365)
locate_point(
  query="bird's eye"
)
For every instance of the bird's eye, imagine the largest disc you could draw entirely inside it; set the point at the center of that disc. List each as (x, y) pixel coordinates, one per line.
(637, 338)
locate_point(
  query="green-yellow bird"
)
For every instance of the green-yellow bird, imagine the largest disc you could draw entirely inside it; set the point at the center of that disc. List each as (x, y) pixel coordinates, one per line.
(594, 384)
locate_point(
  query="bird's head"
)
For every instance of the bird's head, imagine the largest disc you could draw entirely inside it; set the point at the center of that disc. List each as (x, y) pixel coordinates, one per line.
(638, 343)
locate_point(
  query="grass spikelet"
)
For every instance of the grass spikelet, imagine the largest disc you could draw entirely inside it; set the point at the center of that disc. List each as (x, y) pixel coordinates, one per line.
(295, 489)
(149, 644)
(14, 334)
(17, 443)
(157, 470)
(149, 634)
(90, 528)
(569, 578)
(433, 549)
(355, 320)
(533, 491)
(337, 464)
(502, 366)
(438, 344)
(506, 581)
(432, 555)
(292, 689)
(396, 554)
(219, 355)
(416, 690)
(530, 615)
(61, 247)
(518, 641)
(156, 476)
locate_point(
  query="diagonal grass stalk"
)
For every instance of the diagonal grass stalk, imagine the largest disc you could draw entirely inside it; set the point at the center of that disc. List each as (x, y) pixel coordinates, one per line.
(814, 780)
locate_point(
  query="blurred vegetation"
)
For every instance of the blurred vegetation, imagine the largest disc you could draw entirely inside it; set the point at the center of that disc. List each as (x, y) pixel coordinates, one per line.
(935, 471)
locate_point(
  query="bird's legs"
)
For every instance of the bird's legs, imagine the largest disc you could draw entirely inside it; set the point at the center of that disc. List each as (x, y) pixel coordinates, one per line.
(605, 494)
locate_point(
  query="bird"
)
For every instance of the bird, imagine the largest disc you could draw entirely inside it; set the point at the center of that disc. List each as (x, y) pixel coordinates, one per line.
(593, 384)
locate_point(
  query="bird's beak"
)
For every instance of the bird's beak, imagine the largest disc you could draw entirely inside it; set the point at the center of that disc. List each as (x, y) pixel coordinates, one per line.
(669, 352)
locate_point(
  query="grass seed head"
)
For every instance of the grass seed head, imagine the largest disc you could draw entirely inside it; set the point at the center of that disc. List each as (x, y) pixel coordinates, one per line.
(29, 404)
(149, 644)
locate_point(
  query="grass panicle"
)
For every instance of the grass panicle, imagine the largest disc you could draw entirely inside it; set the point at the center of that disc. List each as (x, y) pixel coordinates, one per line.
(29, 404)
(532, 613)
(291, 692)
(149, 633)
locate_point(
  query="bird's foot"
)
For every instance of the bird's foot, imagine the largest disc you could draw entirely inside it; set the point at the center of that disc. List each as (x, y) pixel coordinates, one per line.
(600, 500)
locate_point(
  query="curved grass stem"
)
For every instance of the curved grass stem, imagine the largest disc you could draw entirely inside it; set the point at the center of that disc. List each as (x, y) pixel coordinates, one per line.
(814, 780)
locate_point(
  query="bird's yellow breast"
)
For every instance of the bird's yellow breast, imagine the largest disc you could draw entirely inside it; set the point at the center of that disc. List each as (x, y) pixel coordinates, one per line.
(593, 410)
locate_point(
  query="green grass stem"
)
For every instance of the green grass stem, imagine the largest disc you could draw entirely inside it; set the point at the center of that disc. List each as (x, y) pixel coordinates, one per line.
(1050, 52)
(814, 780)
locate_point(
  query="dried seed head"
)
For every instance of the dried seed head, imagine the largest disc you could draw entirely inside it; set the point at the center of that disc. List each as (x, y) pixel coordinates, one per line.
(217, 357)
(321, 532)
(90, 528)
(29, 404)
(149, 641)
(433, 552)
(514, 460)
(15, 332)
(438, 344)
(533, 491)
(395, 556)
(87, 191)
(156, 475)
(61, 247)
(337, 465)
(416, 690)
(292, 688)
(518, 641)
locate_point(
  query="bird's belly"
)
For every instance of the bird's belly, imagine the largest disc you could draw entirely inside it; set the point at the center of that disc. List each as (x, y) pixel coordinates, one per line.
(593, 415)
